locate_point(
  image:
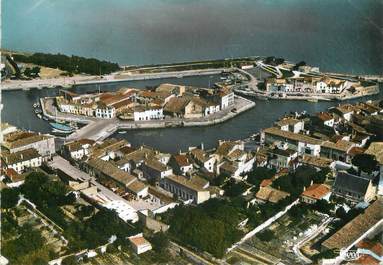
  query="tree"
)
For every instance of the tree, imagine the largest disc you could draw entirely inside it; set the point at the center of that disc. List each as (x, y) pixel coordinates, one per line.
(233, 189)
(258, 174)
(9, 198)
(365, 162)
(211, 226)
(323, 206)
(160, 242)
(70, 260)
(219, 180)
(266, 235)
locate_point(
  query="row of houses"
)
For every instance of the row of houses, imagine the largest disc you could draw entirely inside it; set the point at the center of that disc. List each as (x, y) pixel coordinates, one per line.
(144, 105)
(185, 175)
(310, 84)
(23, 150)
(325, 140)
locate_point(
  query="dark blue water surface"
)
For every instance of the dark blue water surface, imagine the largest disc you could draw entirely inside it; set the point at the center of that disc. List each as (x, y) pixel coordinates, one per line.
(337, 35)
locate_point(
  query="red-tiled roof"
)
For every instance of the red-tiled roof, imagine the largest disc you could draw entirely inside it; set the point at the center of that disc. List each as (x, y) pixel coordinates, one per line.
(316, 191)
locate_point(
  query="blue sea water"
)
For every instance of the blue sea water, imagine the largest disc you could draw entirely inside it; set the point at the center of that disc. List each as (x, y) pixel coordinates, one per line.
(337, 35)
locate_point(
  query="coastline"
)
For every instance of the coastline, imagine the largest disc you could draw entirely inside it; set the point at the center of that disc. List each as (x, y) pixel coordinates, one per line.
(113, 78)
(367, 91)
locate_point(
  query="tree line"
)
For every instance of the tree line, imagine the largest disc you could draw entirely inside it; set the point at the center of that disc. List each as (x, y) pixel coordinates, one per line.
(71, 64)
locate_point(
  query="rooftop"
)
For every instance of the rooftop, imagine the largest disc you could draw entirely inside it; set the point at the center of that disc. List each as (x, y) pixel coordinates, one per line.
(341, 145)
(24, 139)
(316, 191)
(136, 186)
(292, 136)
(112, 171)
(354, 229)
(352, 183)
(376, 149)
(20, 156)
(271, 194)
(316, 161)
(194, 183)
(154, 164)
(182, 160)
(287, 121)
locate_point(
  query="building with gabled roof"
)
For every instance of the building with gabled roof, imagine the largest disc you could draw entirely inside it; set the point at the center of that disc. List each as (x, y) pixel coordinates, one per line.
(155, 170)
(106, 170)
(270, 194)
(191, 188)
(181, 164)
(22, 140)
(21, 160)
(362, 226)
(139, 243)
(316, 192)
(353, 188)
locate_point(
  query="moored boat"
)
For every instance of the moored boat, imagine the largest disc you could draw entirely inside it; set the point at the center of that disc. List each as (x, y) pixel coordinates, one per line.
(62, 128)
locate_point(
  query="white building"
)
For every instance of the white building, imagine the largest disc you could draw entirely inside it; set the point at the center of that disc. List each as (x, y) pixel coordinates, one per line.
(210, 109)
(139, 243)
(107, 112)
(146, 114)
(330, 86)
(22, 160)
(227, 99)
(291, 125)
(43, 143)
(187, 189)
(78, 149)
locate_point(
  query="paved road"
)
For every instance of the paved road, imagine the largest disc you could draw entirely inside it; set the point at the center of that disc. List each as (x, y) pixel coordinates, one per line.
(257, 259)
(307, 238)
(197, 258)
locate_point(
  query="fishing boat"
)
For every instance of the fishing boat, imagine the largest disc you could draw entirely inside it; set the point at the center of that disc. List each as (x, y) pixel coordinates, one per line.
(122, 132)
(39, 116)
(45, 118)
(61, 128)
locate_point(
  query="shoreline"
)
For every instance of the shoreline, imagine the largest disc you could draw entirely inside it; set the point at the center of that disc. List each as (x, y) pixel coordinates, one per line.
(367, 91)
(113, 78)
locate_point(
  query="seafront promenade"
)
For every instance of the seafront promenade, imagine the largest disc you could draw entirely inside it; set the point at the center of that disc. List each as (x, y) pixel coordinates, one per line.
(99, 129)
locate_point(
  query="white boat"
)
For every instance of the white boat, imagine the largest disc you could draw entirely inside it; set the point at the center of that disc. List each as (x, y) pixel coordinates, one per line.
(122, 132)
(39, 116)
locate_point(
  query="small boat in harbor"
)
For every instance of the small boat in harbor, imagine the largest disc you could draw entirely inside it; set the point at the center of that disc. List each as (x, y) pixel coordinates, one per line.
(45, 118)
(39, 116)
(61, 128)
(122, 132)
